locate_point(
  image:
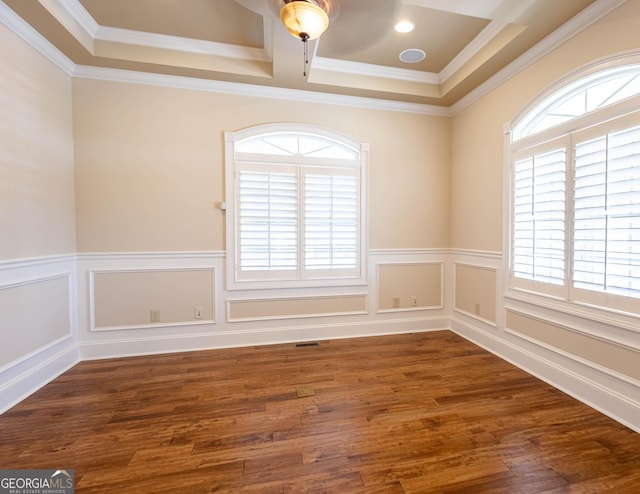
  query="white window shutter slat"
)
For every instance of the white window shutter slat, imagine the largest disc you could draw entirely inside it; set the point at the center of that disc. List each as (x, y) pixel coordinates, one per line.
(607, 214)
(268, 221)
(538, 217)
(331, 219)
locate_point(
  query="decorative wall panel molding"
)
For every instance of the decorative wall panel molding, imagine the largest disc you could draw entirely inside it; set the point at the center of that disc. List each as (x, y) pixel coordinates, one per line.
(38, 324)
(122, 299)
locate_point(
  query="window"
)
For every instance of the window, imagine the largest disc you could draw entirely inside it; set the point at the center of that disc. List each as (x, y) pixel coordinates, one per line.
(296, 212)
(574, 225)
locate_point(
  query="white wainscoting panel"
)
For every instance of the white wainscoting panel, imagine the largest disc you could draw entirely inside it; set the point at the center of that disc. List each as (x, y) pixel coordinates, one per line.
(411, 287)
(612, 393)
(296, 306)
(38, 324)
(296, 319)
(458, 306)
(134, 292)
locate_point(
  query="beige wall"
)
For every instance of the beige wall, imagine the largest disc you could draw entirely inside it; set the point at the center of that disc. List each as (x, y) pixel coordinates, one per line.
(122, 299)
(404, 282)
(292, 307)
(475, 290)
(36, 163)
(477, 170)
(477, 132)
(150, 166)
(37, 217)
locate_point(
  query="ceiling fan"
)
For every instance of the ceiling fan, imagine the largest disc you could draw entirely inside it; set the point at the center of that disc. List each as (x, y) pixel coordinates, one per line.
(352, 24)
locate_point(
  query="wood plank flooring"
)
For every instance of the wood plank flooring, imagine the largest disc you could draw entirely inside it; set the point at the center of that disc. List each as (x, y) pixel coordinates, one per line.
(417, 413)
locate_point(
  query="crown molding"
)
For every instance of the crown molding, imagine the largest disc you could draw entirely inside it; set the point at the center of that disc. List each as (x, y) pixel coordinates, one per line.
(372, 70)
(571, 28)
(20, 28)
(485, 36)
(179, 82)
(177, 43)
(490, 32)
(11, 20)
(75, 18)
(78, 13)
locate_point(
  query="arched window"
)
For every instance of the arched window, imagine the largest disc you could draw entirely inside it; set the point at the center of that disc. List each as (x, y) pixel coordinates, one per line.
(296, 214)
(578, 98)
(574, 228)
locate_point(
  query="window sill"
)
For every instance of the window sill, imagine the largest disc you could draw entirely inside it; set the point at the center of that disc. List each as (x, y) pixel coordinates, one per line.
(626, 321)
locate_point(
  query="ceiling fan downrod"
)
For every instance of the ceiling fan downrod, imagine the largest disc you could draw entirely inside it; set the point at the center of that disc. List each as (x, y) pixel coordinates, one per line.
(304, 19)
(305, 37)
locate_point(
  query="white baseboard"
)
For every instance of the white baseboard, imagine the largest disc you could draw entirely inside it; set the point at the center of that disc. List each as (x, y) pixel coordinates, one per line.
(29, 375)
(606, 393)
(176, 342)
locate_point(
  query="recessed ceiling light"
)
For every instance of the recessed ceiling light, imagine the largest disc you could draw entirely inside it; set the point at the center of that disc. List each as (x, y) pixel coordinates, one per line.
(404, 26)
(412, 55)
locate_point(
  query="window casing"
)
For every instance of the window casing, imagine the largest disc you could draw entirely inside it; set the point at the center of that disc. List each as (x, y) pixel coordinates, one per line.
(574, 222)
(296, 208)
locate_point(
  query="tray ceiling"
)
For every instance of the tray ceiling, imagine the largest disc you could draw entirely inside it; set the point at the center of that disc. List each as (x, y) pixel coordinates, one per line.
(243, 41)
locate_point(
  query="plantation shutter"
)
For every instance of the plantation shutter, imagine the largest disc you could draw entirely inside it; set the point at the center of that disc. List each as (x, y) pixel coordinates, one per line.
(331, 221)
(539, 216)
(606, 241)
(268, 221)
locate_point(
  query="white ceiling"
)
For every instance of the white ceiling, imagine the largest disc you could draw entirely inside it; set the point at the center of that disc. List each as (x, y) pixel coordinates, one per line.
(467, 42)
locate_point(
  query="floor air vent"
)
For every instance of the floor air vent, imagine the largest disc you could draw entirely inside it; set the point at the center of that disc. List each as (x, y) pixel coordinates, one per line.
(307, 343)
(304, 392)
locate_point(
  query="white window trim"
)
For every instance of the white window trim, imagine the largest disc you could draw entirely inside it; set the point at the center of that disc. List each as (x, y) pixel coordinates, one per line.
(231, 157)
(611, 313)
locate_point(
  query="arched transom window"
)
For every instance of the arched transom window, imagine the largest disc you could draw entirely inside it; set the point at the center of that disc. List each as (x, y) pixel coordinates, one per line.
(583, 96)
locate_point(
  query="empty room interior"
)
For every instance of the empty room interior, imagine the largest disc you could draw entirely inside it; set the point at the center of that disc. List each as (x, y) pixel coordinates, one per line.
(239, 253)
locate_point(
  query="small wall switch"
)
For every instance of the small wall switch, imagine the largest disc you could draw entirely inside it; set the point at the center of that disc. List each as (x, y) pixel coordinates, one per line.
(154, 315)
(396, 302)
(197, 312)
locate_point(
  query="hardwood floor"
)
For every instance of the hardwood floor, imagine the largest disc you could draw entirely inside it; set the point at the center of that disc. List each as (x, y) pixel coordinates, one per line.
(418, 413)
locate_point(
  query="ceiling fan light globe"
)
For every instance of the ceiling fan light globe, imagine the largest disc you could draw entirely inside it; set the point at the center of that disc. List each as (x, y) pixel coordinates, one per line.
(302, 18)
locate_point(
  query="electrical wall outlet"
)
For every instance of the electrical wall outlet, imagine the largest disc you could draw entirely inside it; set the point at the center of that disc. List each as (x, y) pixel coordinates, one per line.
(414, 300)
(197, 312)
(476, 308)
(396, 302)
(154, 315)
